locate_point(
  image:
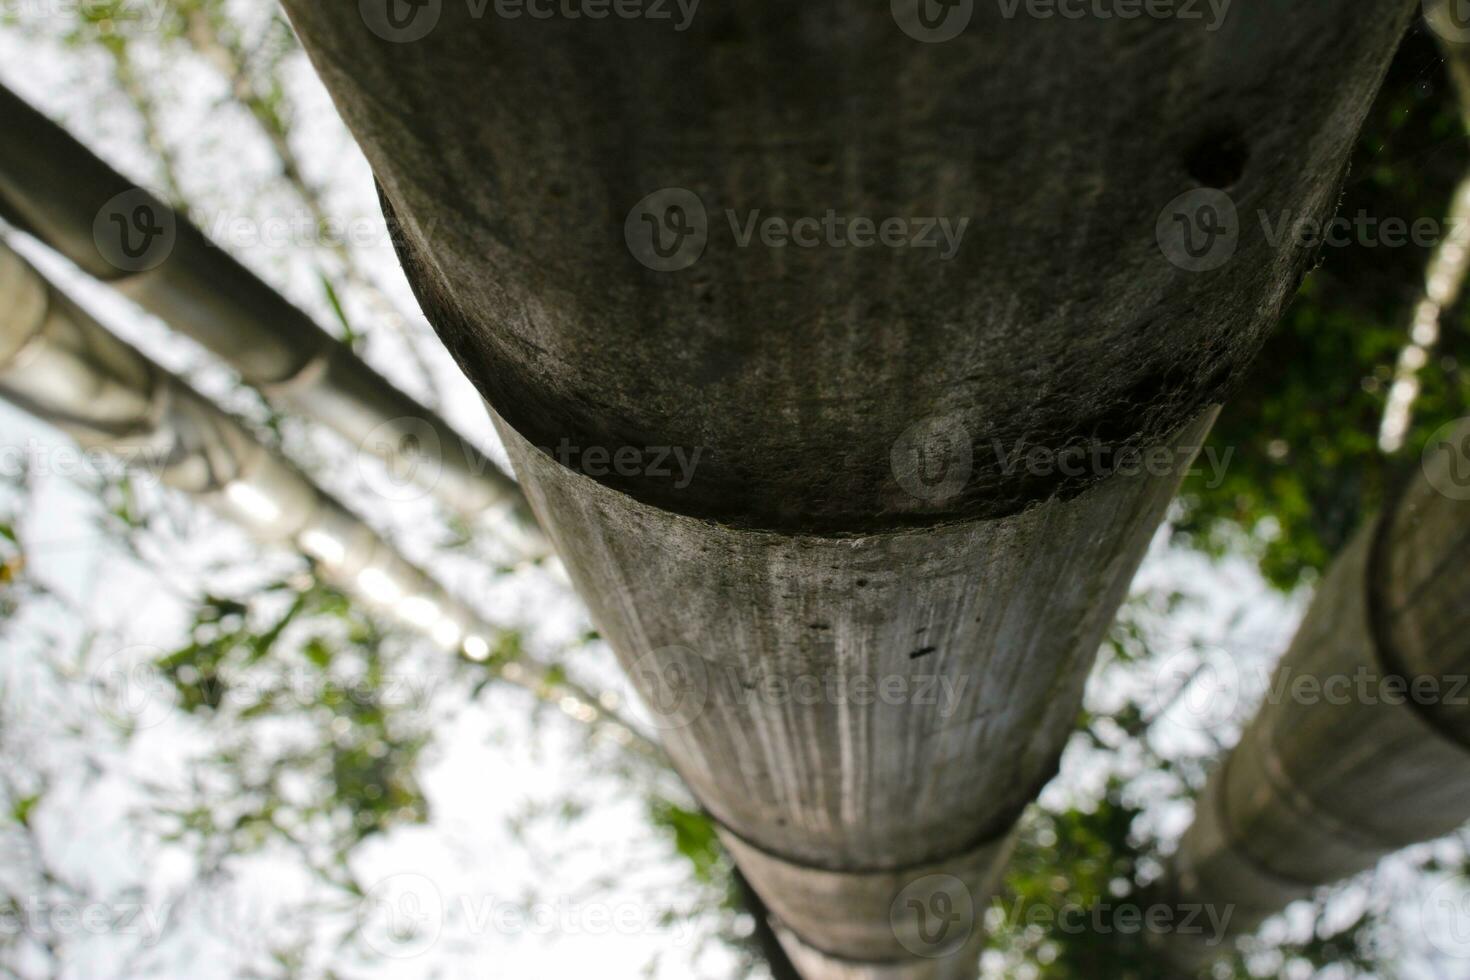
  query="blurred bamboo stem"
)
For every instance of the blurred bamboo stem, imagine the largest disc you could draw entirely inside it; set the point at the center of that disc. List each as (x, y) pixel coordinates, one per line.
(60, 364)
(59, 192)
(1444, 280)
(1362, 747)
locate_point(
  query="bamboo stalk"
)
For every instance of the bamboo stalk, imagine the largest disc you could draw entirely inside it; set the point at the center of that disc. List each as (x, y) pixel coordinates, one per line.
(55, 189)
(1362, 747)
(61, 365)
(596, 218)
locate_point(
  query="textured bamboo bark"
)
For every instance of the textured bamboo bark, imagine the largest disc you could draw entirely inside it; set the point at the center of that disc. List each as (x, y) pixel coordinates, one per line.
(61, 365)
(1363, 745)
(520, 156)
(56, 189)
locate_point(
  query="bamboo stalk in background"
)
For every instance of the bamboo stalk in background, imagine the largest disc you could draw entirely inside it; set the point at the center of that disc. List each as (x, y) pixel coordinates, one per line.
(1363, 745)
(60, 364)
(1444, 279)
(54, 188)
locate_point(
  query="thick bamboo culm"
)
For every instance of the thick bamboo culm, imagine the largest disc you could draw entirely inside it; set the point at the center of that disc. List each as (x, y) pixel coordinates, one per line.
(59, 364)
(1363, 745)
(574, 197)
(54, 188)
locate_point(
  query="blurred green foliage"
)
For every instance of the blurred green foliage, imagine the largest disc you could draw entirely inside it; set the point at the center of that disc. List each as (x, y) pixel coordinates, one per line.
(1307, 469)
(319, 736)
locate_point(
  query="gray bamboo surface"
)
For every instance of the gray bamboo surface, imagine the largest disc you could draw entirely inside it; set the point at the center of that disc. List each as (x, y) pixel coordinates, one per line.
(1362, 748)
(519, 156)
